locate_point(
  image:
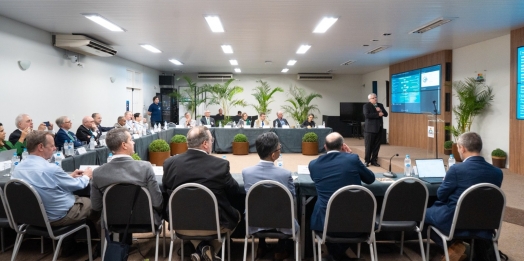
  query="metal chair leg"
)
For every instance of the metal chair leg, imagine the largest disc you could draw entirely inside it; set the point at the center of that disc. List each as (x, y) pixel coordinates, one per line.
(314, 247)
(358, 250)
(18, 242)
(55, 256)
(421, 245)
(402, 243)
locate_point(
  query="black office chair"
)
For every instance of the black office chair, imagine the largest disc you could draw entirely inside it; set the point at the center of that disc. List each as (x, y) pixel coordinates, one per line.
(404, 209)
(265, 197)
(117, 202)
(185, 214)
(351, 209)
(480, 207)
(29, 217)
(5, 219)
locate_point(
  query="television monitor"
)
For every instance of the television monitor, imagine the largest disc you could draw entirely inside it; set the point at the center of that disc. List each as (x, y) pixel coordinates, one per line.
(520, 83)
(352, 111)
(414, 91)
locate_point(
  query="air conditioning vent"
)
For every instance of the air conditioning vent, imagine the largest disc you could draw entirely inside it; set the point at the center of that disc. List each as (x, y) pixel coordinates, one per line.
(215, 76)
(314, 76)
(83, 45)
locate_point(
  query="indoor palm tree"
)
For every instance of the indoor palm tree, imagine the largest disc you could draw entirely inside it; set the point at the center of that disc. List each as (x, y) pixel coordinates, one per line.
(263, 94)
(224, 95)
(191, 97)
(300, 105)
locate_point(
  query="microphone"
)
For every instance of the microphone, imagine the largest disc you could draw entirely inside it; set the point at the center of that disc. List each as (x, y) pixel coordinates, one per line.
(390, 174)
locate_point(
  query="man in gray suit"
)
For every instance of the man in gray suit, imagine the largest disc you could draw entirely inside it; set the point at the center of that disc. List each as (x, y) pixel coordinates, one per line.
(268, 149)
(123, 169)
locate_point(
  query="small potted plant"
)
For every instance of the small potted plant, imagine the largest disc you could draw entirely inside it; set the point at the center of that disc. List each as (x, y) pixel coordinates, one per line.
(498, 157)
(447, 147)
(178, 144)
(310, 144)
(240, 145)
(158, 152)
(135, 156)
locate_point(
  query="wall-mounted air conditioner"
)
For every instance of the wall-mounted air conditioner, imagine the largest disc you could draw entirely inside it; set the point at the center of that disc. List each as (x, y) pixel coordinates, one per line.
(314, 76)
(215, 76)
(83, 45)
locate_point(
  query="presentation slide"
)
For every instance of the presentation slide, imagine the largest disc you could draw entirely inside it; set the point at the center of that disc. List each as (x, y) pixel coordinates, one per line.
(414, 91)
(520, 83)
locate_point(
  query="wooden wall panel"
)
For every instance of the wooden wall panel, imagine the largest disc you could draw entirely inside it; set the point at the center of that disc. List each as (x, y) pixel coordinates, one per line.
(516, 127)
(410, 130)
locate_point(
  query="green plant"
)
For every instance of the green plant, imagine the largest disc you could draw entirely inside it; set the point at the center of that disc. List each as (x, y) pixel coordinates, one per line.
(179, 139)
(224, 95)
(135, 156)
(498, 153)
(159, 145)
(191, 97)
(240, 138)
(300, 104)
(310, 137)
(263, 94)
(474, 97)
(448, 144)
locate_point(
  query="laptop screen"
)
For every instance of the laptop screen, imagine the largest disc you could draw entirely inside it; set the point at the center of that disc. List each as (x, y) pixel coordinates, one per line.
(430, 168)
(7, 154)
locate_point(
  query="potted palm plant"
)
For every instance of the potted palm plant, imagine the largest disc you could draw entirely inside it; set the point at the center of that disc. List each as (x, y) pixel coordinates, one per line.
(224, 95)
(264, 96)
(158, 152)
(447, 147)
(192, 97)
(240, 145)
(300, 104)
(178, 144)
(310, 144)
(498, 158)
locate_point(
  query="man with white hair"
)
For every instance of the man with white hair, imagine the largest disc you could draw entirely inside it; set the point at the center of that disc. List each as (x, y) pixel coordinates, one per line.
(280, 121)
(63, 134)
(24, 125)
(87, 130)
(207, 120)
(129, 120)
(373, 112)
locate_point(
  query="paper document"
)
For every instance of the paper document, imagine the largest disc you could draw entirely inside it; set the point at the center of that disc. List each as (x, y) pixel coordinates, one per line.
(303, 170)
(159, 171)
(84, 167)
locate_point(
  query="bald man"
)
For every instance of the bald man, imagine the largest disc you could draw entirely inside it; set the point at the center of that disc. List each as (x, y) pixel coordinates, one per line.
(87, 130)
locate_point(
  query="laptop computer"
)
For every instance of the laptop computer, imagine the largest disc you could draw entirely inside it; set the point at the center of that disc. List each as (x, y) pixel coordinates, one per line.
(7, 154)
(431, 170)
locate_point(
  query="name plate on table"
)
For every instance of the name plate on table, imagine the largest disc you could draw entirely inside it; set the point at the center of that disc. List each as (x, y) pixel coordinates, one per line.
(136, 136)
(180, 126)
(208, 126)
(84, 167)
(303, 170)
(266, 127)
(227, 127)
(159, 171)
(5, 165)
(103, 142)
(153, 132)
(321, 127)
(81, 150)
(285, 127)
(247, 127)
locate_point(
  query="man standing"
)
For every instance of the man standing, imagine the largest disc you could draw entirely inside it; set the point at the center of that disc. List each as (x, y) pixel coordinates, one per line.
(24, 125)
(261, 122)
(268, 149)
(123, 169)
(207, 120)
(155, 111)
(197, 166)
(63, 134)
(373, 112)
(87, 130)
(330, 172)
(279, 121)
(473, 170)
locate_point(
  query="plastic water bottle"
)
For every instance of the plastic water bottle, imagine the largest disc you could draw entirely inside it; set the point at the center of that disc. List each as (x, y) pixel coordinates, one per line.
(58, 159)
(92, 143)
(144, 130)
(224, 157)
(165, 125)
(14, 162)
(70, 148)
(407, 166)
(110, 157)
(280, 162)
(276, 124)
(25, 154)
(220, 124)
(324, 124)
(451, 161)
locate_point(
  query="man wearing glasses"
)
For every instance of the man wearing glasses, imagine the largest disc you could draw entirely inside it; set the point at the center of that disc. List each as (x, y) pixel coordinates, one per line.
(63, 134)
(373, 112)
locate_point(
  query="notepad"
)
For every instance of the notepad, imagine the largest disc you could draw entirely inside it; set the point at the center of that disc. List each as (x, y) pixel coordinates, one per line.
(303, 170)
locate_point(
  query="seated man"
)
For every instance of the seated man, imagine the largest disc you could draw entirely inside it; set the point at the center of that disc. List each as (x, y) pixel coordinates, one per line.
(121, 122)
(87, 130)
(123, 169)
(261, 121)
(220, 115)
(330, 172)
(197, 166)
(268, 149)
(24, 125)
(473, 170)
(63, 134)
(207, 120)
(280, 121)
(129, 120)
(98, 121)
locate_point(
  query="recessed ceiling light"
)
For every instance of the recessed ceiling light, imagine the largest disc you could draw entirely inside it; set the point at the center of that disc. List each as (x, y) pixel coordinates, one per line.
(291, 62)
(233, 62)
(324, 25)
(374, 40)
(348, 62)
(237, 70)
(214, 23)
(386, 34)
(365, 45)
(268, 62)
(378, 49)
(177, 62)
(285, 70)
(303, 49)
(104, 22)
(432, 25)
(227, 48)
(150, 48)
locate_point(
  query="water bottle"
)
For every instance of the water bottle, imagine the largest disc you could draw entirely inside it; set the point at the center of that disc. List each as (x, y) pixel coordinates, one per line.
(280, 162)
(25, 154)
(323, 124)
(157, 127)
(407, 166)
(14, 162)
(144, 130)
(165, 125)
(92, 143)
(220, 124)
(58, 159)
(451, 161)
(276, 124)
(71, 148)
(110, 157)
(224, 157)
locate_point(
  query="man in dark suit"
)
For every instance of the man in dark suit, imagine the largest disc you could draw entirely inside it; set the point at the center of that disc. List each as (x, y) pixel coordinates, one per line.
(87, 130)
(330, 172)
(98, 120)
(63, 134)
(24, 126)
(197, 166)
(279, 121)
(373, 112)
(473, 170)
(207, 120)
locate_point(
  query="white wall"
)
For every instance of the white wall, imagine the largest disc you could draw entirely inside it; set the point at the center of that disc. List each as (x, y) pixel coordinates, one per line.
(381, 76)
(491, 57)
(53, 86)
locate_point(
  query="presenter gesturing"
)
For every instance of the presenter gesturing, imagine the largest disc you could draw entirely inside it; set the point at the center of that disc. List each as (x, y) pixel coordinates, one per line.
(373, 112)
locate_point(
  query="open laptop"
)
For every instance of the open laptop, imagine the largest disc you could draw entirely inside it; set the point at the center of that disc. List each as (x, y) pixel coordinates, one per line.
(431, 170)
(7, 154)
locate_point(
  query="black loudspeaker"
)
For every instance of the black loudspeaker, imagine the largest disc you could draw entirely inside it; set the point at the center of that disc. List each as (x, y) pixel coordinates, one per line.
(447, 101)
(167, 80)
(448, 72)
(384, 139)
(387, 93)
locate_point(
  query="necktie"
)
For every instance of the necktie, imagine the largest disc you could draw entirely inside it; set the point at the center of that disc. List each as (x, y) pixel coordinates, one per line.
(71, 135)
(207, 119)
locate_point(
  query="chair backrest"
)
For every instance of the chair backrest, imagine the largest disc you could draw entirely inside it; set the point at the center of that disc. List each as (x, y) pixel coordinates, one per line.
(3, 209)
(117, 203)
(479, 207)
(193, 206)
(350, 209)
(405, 200)
(268, 196)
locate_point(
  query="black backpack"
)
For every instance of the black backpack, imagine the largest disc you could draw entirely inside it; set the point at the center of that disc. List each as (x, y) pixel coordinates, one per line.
(483, 251)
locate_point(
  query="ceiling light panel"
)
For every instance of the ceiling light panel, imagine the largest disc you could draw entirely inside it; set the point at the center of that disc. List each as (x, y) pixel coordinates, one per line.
(233, 62)
(303, 49)
(291, 62)
(214, 23)
(150, 48)
(325, 24)
(237, 70)
(227, 48)
(104, 22)
(285, 70)
(379, 49)
(176, 62)
(431, 25)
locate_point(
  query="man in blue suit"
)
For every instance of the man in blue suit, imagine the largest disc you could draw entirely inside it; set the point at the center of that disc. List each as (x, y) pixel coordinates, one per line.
(63, 134)
(268, 149)
(334, 170)
(473, 170)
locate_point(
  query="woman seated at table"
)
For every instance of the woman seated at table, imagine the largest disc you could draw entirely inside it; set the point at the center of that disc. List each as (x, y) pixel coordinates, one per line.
(309, 123)
(7, 145)
(187, 122)
(242, 121)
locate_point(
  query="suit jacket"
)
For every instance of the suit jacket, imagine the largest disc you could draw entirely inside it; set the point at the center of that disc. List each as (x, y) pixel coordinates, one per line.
(13, 138)
(129, 171)
(84, 134)
(277, 121)
(211, 120)
(374, 122)
(258, 123)
(61, 136)
(103, 129)
(195, 166)
(333, 171)
(473, 170)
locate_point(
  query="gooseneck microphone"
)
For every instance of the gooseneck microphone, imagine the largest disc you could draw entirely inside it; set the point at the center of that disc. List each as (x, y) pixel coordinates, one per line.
(390, 174)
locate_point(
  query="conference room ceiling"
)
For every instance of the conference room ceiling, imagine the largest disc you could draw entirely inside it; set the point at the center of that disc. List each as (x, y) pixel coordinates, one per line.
(273, 30)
